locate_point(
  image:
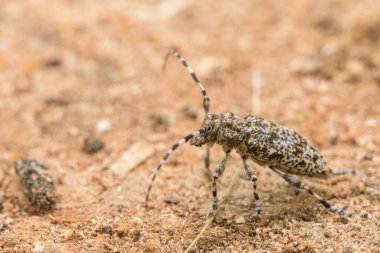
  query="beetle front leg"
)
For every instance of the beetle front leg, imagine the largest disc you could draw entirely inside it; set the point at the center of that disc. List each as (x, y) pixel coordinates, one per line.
(206, 170)
(218, 172)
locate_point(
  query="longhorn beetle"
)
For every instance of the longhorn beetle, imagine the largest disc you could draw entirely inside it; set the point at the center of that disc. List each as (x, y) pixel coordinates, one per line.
(269, 144)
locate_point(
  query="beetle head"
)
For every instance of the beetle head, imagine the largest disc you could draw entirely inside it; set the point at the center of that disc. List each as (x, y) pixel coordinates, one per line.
(208, 131)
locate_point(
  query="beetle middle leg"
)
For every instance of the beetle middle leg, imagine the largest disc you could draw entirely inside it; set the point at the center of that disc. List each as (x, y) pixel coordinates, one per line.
(252, 177)
(218, 172)
(296, 182)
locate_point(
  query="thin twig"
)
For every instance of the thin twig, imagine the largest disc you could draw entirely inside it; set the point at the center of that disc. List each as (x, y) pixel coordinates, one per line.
(210, 220)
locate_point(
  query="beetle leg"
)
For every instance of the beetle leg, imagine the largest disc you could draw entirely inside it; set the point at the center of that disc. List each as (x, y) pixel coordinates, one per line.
(252, 177)
(294, 181)
(206, 170)
(218, 172)
(336, 172)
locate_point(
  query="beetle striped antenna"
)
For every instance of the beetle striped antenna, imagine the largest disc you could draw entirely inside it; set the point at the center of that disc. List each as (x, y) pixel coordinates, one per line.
(163, 161)
(206, 99)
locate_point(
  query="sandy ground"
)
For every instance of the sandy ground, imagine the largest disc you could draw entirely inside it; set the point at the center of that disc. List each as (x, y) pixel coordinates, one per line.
(71, 70)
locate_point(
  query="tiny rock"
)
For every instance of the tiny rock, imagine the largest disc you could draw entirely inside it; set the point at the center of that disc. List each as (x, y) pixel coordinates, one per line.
(327, 234)
(38, 247)
(92, 145)
(159, 121)
(74, 131)
(68, 234)
(354, 69)
(136, 235)
(240, 220)
(306, 66)
(189, 112)
(171, 200)
(361, 187)
(364, 214)
(103, 126)
(53, 62)
(121, 231)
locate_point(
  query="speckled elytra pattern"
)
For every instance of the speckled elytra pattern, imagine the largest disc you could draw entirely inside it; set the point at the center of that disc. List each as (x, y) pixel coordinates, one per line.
(268, 144)
(285, 149)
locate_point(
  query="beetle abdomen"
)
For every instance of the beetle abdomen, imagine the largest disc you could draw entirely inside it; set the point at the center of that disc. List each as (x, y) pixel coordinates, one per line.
(274, 145)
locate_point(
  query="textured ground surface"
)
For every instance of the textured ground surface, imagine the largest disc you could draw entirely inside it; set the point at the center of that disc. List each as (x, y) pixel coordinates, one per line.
(76, 69)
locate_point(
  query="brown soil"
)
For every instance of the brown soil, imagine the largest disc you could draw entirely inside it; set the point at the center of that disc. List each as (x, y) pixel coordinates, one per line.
(71, 70)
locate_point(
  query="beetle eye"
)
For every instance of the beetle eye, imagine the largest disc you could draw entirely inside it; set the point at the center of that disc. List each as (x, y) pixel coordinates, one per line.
(208, 128)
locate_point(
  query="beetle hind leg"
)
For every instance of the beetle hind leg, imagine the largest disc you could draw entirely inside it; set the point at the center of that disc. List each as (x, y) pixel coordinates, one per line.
(296, 182)
(335, 172)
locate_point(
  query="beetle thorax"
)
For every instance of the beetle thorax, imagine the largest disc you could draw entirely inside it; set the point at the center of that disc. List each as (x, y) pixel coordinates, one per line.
(225, 129)
(231, 131)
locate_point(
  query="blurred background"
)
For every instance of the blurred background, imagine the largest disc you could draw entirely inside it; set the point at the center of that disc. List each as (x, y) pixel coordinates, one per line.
(82, 89)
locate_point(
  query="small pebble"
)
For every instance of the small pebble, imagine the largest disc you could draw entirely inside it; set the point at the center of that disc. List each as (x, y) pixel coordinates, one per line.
(103, 126)
(240, 220)
(3, 226)
(354, 70)
(327, 234)
(306, 66)
(121, 231)
(74, 131)
(172, 200)
(104, 229)
(159, 121)
(38, 247)
(53, 63)
(92, 145)
(189, 112)
(136, 235)
(344, 220)
(68, 234)
(364, 214)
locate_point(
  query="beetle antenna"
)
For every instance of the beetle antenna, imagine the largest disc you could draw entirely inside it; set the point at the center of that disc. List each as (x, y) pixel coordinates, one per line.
(162, 162)
(206, 99)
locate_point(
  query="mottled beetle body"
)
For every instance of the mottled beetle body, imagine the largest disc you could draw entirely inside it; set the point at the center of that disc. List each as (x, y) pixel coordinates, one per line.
(265, 142)
(269, 144)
